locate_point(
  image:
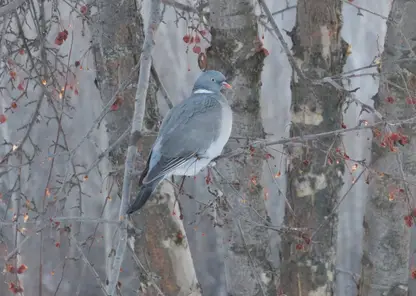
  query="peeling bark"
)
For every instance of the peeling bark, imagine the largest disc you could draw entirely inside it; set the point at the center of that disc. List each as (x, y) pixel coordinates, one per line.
(385, 263)
(308, 268)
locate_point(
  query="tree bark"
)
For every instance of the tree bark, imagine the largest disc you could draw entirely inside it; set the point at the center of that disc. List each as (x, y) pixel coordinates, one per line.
(316, 168)
(162, 243)
(385, 262)
(237, 253)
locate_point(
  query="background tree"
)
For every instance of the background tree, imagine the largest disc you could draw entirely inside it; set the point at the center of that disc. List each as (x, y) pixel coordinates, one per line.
(84, 87)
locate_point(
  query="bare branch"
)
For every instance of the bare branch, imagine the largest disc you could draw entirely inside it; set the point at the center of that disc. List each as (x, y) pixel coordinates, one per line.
(137, 122)
(161, 87)
(310, 137)
(283, 10)
(88, 263)
(282, 40)
(180, 6)
(6, 9)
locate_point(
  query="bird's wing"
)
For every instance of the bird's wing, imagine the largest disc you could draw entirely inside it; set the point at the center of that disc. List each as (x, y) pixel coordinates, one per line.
(189, 130)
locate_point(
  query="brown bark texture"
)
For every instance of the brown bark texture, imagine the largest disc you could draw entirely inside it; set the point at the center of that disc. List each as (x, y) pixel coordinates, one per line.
(385, 262)
(315, 168)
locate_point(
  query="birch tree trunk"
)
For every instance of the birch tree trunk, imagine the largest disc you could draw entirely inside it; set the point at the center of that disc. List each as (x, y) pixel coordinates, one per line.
(162, 242)
(236, 257)
(385, 262)
(316, 168)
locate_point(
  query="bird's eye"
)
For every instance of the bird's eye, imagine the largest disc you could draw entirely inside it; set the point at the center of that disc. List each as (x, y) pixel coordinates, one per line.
(212, 79)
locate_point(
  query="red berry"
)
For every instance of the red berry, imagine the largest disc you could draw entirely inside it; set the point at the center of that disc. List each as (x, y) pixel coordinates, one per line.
(3, 118)
(394, 137)
(186, 38)
(197, 39)
(84, 9)
(59, 41)
(21, 51)
(203, 32)
(21, 86)
(12, 75)
(343, 125)
(196, 49)
(408, 221)
(404, 140)
(22, 268)
(390, 100)
(77, 63)
(114, 107)
(13, 105)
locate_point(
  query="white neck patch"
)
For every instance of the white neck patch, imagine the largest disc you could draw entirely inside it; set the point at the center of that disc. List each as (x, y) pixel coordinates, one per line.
(203, 91)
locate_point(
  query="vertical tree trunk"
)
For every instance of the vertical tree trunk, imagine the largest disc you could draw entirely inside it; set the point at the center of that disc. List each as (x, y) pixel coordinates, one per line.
(162, 243)
(385, 262)
(237, 251)
(308, 267)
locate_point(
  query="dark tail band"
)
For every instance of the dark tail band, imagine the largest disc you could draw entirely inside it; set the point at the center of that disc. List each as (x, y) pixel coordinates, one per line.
(144, 194)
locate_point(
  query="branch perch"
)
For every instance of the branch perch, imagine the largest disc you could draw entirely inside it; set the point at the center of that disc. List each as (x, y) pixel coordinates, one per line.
(135, 134)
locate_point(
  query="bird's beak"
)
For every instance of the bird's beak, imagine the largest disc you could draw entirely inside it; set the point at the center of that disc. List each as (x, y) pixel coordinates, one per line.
(226, 85)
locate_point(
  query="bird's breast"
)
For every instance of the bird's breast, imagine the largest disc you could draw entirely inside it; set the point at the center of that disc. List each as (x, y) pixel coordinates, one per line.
(224, 134)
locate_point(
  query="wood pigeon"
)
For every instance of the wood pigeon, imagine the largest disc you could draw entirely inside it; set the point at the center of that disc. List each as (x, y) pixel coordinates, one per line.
(192, 134)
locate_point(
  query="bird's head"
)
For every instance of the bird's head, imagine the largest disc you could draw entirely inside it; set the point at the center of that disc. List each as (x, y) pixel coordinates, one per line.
(210, 82)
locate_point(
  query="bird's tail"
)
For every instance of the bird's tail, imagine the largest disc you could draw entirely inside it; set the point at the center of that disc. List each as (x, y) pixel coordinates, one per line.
(144, 194)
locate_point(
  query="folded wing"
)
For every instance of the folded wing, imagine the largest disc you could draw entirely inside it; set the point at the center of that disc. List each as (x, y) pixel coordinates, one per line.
(188, 131)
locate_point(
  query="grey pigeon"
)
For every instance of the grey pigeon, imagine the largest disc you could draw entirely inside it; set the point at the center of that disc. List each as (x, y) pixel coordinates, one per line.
(192, 134)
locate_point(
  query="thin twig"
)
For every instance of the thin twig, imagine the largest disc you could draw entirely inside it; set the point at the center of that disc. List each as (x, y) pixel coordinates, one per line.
(310, 137)
(88, 263)
(10, 7)
(369, 11)
(20, 245)
(282, 40)
(148, 275)
(251, 259)
(283, 10)
(180, 6)
(161, 87)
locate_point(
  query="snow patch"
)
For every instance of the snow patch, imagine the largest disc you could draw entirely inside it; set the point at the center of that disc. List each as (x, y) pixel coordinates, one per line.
(306, 116)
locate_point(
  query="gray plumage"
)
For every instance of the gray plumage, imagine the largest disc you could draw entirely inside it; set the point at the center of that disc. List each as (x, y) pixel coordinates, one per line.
(192, 134)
